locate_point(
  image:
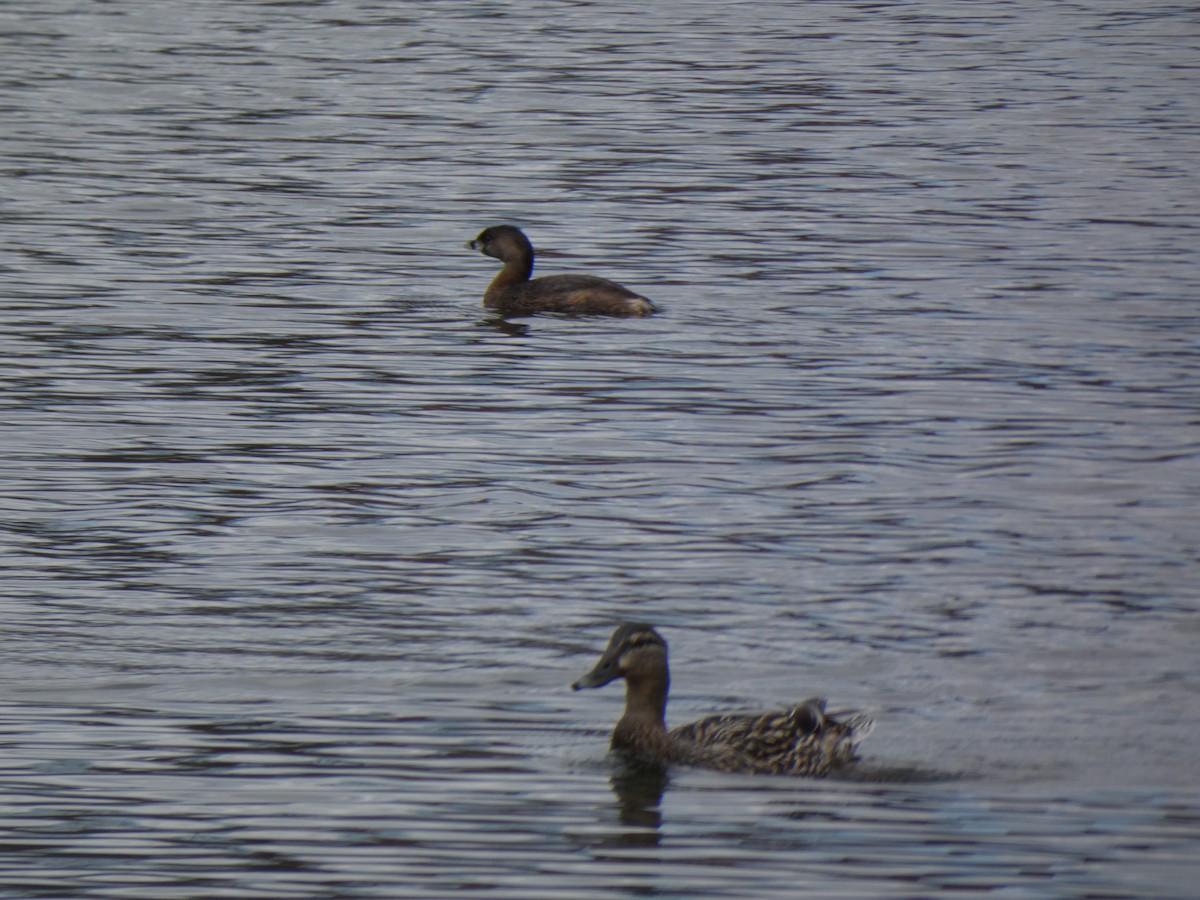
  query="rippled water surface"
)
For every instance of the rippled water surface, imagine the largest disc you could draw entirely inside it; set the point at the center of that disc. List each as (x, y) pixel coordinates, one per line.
(301, 548)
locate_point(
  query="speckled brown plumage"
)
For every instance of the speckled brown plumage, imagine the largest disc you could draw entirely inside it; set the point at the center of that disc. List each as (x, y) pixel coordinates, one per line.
(802, 740)
(513, 293)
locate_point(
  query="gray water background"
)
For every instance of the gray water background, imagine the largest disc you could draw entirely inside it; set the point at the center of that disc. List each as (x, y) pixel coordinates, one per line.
(301, 549)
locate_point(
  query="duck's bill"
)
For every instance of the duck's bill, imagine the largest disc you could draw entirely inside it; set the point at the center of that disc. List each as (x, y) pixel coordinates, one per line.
(604, 672)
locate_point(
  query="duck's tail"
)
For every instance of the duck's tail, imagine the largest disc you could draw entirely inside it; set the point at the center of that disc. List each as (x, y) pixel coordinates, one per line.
(846, 732)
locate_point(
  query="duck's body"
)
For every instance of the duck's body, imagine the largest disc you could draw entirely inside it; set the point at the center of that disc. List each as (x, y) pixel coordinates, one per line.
(801, 740)
(513, 293)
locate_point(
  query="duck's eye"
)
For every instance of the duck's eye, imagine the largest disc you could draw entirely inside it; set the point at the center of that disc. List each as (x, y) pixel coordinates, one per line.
(642, 639)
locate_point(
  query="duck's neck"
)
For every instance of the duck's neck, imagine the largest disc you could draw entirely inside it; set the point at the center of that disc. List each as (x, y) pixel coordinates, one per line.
(645, 709)
(516, 271)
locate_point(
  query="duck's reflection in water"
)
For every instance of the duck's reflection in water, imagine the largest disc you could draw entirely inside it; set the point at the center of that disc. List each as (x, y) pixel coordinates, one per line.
(504, 326)
(639, 793)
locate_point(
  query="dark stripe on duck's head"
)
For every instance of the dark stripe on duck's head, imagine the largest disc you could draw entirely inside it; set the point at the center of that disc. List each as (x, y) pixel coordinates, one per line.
(634, 634)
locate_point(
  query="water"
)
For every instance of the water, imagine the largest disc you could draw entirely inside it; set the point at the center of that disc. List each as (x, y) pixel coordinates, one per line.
(301, 549)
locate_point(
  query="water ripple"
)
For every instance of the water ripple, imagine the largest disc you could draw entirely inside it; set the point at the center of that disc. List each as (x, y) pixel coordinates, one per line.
(302, 549)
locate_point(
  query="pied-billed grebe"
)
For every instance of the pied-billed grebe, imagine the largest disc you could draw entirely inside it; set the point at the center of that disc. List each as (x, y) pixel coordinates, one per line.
(802, 740)
(512, 293)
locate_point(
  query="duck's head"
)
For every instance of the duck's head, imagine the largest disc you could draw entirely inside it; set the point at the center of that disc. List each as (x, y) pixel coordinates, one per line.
(635, 651)
(502, 242)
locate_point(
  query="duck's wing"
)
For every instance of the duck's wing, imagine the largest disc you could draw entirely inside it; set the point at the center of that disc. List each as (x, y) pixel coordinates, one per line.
(583, 295)
(757, 732)
(800, 740)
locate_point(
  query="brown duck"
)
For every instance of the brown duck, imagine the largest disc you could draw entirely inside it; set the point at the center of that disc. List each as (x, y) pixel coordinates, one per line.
(802, 740)
(513, 293)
